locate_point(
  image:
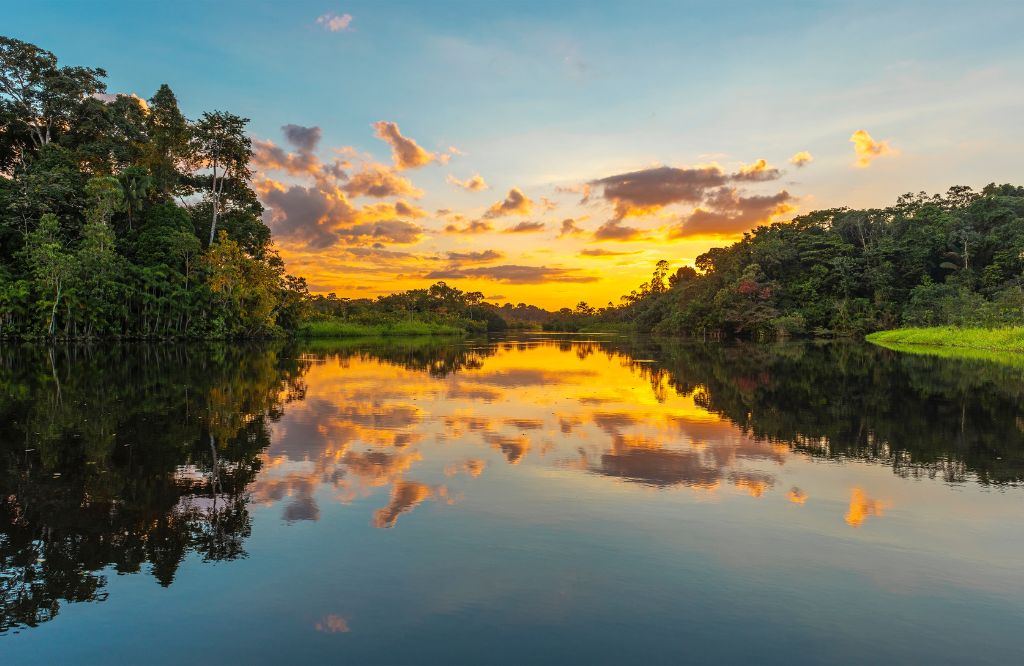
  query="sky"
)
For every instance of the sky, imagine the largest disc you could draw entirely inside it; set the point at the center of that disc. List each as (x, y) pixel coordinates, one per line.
(552, 153)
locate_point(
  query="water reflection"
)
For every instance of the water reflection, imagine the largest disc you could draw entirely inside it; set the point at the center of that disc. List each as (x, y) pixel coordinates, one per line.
(131, 458)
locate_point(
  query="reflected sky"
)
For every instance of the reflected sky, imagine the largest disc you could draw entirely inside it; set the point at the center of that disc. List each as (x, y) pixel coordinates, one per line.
(369, 427)
(535, 499)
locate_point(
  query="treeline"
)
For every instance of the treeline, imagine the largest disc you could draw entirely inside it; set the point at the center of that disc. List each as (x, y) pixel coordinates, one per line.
(120, 217)
(438, 304)
(924, 261)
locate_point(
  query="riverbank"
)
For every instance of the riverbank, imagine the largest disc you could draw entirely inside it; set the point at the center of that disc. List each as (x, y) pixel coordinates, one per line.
(1006, 339)
(336, 328)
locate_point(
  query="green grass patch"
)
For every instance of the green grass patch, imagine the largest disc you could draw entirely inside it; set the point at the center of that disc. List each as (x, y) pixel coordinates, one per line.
(1004, 346)
(1008, 339)
(336, 328)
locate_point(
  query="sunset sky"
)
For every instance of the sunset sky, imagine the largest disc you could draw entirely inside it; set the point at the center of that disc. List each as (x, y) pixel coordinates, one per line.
(552, 152)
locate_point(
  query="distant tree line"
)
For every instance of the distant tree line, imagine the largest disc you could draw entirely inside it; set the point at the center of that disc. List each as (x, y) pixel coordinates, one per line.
(440, 303)
(926, 260)
(122, 218)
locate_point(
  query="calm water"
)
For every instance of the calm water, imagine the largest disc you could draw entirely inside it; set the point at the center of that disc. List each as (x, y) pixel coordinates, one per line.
(532, 499)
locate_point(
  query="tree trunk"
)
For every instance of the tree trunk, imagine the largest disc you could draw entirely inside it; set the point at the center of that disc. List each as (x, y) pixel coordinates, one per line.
(53, 312)
(213, 225)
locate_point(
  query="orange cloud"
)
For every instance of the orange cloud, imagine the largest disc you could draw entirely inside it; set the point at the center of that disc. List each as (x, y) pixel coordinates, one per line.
(406, 153)
(377, 180)
(729, 213)
(801, 159)
(475, 183)
(481, 257)
(867, 149)
(516, 203)
(471, 228)
(513, 274)
(570, 228)
(759, 170)
(525, 227)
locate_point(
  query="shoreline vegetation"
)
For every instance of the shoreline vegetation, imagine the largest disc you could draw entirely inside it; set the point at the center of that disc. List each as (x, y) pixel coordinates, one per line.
(339, 328)
(1005, 339)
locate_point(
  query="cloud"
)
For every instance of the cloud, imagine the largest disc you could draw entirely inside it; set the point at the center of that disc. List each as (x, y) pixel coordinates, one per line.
(570, 228)
(582, 189)
(547, 205)
(614, 230)
(867, 149)
(728, 213)
(525, 228)
(270, 157)
(601, 252)
(516, 203)
(643, 192)
(513, 274)
(476, 257)
(475, 183)
(377, 180)
(304, 139)
(640, 193)
(801, 159)
(406, 153)
(382, 231)
(336, 22)
(758, 171)
(474, 227)
(320, 218)
(303, 213)
(408, 210)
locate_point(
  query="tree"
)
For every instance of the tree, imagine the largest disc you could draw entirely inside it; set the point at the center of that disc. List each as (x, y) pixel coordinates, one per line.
(168, 148)
(36, 95)
(219, 143)
(136, 184)
(49, 262)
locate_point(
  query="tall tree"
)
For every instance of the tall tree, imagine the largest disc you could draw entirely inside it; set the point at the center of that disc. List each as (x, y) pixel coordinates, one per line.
(168, 146)
(219, 143)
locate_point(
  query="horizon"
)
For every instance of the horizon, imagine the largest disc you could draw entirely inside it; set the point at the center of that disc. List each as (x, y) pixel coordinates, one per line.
(566, 169)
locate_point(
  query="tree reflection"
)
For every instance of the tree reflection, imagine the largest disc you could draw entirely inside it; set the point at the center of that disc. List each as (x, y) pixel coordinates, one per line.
(126, 458)
(947, 418)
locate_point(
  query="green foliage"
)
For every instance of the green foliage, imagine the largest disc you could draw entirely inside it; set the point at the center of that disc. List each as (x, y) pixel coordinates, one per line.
(438, 309)
(92, 243)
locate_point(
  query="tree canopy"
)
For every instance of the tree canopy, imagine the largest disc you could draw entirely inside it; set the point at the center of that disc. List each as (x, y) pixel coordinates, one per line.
(122, 218)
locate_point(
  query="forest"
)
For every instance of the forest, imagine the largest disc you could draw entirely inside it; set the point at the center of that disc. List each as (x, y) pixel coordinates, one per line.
(954, 259)
(120, 217)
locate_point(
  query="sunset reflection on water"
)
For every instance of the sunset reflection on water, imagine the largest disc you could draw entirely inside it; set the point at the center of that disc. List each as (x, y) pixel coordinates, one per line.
(367, 427)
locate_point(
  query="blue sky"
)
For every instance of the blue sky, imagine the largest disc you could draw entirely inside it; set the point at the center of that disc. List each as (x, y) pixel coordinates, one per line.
(544, 95)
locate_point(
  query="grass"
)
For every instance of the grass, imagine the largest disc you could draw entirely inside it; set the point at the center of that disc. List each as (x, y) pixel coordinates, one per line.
(1008, 339)
(336, 328)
